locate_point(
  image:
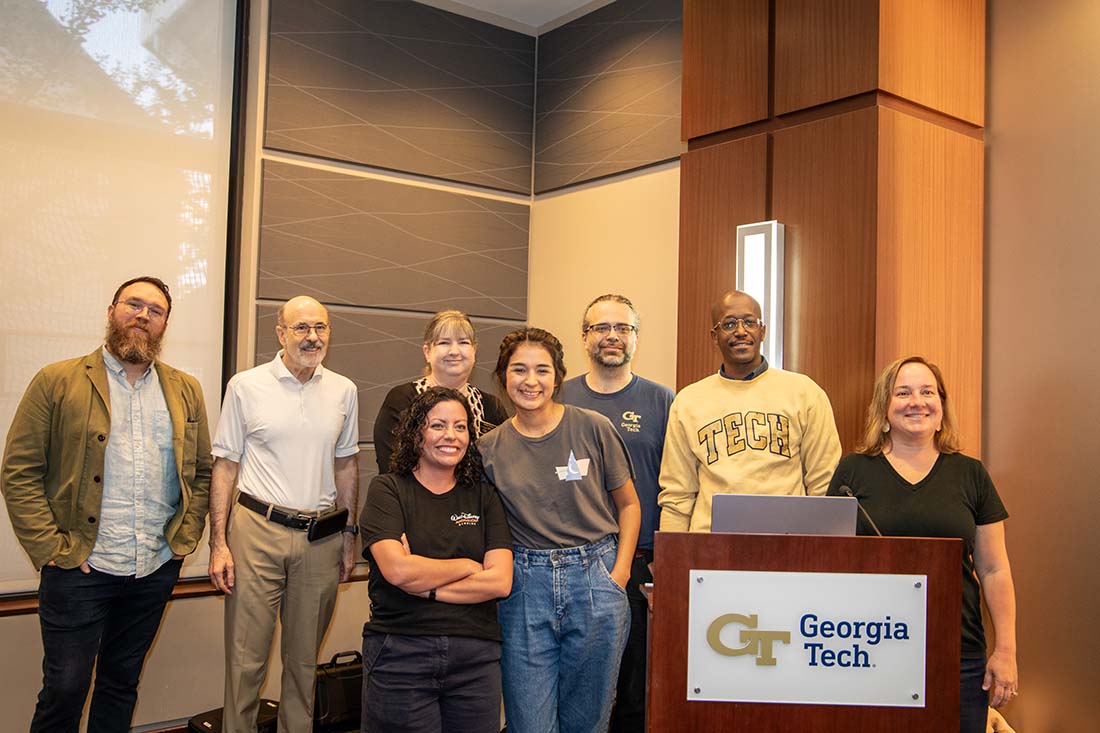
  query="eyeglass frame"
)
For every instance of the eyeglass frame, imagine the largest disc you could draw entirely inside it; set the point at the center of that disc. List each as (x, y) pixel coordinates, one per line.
(733, 324)
(322, 329)
(137, 305)
(604, 329)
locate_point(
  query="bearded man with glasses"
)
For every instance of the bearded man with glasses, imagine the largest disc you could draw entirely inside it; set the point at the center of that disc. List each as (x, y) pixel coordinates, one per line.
(638, 408)
(106, 477)
(751, 428)
(281, 540)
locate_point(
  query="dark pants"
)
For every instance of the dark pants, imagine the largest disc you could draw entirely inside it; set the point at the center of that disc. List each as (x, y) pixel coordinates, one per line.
(430, 684)
(89, 616)
(629, 713)
(973, 700)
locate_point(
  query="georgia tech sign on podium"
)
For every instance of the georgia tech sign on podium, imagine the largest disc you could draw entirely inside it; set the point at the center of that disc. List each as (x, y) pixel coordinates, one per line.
(814, 638)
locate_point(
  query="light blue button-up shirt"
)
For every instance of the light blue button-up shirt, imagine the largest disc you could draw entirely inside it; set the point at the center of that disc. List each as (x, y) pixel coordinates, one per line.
(141, 488)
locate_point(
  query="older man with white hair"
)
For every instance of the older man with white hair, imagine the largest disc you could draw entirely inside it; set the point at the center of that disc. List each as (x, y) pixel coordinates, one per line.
(287, 441)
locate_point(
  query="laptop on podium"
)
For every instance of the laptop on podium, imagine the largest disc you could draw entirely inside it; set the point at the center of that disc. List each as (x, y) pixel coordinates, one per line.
(767, 514)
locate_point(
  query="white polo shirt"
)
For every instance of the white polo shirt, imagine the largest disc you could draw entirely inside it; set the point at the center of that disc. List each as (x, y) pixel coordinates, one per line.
(284, 434)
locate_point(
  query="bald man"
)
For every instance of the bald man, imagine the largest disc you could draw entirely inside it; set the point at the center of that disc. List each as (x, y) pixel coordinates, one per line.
(749, 429)
(287, 441)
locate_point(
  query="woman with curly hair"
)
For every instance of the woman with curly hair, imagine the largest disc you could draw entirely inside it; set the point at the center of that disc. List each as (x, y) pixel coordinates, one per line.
(450, 350)
(440, 555)
(566, 482)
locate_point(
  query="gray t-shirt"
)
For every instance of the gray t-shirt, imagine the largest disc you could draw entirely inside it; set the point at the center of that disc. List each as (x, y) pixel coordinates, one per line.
(555, 487)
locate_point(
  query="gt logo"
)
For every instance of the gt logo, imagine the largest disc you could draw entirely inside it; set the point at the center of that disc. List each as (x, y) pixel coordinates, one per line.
(631, 416)
(757, 643)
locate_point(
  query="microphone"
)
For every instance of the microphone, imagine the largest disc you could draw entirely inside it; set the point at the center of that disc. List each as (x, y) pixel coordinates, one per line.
(848, 492)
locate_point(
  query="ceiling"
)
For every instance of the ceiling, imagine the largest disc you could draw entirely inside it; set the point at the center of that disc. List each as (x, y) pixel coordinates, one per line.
(526, 16)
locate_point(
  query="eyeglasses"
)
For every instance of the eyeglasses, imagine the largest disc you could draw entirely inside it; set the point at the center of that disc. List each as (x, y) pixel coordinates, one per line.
(302, 329)
(134, 306)
(603, 329)
(730, 325)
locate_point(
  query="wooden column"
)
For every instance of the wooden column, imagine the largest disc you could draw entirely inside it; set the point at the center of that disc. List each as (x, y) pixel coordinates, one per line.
(858, 125)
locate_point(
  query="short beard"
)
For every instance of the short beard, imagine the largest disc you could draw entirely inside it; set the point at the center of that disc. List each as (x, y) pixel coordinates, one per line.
(130, 345)
(599, 358)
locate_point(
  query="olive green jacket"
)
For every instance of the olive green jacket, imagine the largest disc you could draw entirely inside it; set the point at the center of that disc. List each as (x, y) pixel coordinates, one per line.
(52, 475)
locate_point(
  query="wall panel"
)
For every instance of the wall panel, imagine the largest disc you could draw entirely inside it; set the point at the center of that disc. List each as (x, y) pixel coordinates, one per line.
(933, 53)
(608, 93)
(824, 51)
(365, 241)
(824, 191)
(404, 86)
(721, 186)
(929, 293)
(725, 47)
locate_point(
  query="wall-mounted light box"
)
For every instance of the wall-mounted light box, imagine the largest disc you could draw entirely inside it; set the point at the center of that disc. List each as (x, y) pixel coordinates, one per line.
(760, 274)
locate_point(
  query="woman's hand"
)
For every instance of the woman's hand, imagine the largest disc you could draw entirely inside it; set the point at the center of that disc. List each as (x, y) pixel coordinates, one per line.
(621, 578)
(1000, 678)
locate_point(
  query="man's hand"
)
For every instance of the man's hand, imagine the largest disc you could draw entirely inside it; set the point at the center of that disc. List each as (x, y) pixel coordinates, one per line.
(84, 566)
(347, 558)
(221, 568)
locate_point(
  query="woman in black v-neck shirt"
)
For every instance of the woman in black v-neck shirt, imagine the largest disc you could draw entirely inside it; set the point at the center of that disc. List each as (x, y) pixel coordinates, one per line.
(911, 479)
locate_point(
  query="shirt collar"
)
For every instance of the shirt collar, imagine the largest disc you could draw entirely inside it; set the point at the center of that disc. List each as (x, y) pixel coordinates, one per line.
(751, 375)
(281, 372)
(113, 364)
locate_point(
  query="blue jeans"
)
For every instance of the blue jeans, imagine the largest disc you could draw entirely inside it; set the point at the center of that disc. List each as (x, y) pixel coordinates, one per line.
(973, 700)
(93, 616)
(565, 626)
(430, 684)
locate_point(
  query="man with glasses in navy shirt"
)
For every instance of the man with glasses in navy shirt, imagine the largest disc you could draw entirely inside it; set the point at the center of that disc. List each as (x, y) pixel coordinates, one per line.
(638, 408)
(106, 476)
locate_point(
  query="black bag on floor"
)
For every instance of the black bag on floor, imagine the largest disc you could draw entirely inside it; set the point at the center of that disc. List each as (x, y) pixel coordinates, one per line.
(211, 721)
(339, 692)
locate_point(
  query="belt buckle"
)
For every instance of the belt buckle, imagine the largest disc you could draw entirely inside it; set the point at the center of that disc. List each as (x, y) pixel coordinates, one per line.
(306, 518)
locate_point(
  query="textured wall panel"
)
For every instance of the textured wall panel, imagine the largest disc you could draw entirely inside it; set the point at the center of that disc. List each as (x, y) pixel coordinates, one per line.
(404, 86)
(360, 241)
(608, 93)
(379, 351)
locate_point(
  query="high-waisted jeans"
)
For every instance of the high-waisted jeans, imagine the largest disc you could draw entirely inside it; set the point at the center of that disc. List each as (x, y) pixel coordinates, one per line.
(565, 626)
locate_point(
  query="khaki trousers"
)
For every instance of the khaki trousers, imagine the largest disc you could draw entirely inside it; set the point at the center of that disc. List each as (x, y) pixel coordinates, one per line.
(278, 571)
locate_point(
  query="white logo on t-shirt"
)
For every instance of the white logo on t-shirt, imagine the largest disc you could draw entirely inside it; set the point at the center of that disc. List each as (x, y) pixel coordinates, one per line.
(574, 470)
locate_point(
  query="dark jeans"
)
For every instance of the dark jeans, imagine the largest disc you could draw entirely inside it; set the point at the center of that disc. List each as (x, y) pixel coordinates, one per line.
(430, 684)
(629, 713)
(973, 700)
(85, 616)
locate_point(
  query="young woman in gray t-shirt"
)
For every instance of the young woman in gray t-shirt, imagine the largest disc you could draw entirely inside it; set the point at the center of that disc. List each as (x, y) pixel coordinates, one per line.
(566, 482)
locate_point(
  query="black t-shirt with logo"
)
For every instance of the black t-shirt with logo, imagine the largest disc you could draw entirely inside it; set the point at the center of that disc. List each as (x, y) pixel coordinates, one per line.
(467, 521)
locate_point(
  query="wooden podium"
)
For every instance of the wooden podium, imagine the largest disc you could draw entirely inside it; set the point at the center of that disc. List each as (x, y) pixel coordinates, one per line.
(678, 553)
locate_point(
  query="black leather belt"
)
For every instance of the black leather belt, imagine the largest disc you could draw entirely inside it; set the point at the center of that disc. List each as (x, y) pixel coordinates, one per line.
(274, 514)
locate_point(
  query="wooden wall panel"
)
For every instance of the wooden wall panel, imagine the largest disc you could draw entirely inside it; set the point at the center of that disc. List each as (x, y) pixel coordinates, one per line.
(721, 186)
(725, 60)
(933, 53)
(824, 184)
(929, 289)
(824, 51)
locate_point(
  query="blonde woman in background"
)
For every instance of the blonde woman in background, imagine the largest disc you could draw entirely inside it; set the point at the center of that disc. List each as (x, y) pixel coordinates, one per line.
(450, 350)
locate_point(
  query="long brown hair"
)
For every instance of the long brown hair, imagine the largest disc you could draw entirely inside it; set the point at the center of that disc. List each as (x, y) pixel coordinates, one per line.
(876, 440)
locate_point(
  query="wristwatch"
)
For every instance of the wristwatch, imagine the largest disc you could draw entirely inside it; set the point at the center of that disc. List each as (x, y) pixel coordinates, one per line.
(352, 529)
(431, 594)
